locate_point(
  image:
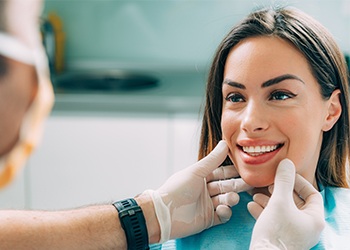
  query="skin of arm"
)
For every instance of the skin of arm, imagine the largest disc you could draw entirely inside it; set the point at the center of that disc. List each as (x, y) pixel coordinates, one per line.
(92, 227)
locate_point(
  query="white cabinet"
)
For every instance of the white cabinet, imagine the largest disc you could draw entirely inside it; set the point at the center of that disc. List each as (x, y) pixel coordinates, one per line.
(93, 158)
(185, 135)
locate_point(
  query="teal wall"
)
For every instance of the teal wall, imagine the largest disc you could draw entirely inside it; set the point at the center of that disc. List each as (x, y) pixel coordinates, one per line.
(173, 34)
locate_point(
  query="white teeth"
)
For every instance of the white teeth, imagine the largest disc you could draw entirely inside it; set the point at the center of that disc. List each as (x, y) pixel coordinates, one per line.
(259, 149)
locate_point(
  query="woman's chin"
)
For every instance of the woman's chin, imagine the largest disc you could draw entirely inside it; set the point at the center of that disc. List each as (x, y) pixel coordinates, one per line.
(258, 182)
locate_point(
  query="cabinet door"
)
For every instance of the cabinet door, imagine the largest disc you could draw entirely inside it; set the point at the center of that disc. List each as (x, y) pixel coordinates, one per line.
(185, 135)
(93, 159)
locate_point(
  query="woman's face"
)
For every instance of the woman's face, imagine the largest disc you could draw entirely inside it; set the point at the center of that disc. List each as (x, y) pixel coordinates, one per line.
(272, 109)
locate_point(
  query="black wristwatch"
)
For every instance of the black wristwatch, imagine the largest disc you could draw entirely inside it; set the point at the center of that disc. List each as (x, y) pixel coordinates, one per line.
(134, 224)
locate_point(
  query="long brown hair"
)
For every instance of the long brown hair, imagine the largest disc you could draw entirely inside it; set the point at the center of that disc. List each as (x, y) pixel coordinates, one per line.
(328, 67)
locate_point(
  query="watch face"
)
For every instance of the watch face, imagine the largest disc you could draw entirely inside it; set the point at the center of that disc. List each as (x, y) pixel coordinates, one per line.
(124, 204)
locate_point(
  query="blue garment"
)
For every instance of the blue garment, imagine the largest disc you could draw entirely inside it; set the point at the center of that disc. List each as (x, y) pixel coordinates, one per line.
(236, 233)
(336, 234)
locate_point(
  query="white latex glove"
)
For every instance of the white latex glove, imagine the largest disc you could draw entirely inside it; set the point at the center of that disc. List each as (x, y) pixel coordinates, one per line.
(184, 205)
(289, 220)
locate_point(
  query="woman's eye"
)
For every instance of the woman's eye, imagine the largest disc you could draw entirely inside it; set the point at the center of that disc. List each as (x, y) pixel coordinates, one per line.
(235, 97)
(280, 95)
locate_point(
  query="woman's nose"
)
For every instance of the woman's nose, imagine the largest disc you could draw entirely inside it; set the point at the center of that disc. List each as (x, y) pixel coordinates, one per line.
(254, 118)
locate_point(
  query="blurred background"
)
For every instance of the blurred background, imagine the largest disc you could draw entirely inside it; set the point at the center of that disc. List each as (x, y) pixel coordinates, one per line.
(129, 78)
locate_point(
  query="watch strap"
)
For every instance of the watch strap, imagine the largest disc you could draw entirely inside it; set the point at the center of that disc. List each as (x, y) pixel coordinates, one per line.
(134, 224)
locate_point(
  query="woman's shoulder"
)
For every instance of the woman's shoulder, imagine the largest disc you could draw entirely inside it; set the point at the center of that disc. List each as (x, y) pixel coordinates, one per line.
(335, 196)
(337, 205)
(344, 193)
(337, 216)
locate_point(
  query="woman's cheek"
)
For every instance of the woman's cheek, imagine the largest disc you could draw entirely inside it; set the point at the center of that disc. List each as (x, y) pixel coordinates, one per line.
(227, 128)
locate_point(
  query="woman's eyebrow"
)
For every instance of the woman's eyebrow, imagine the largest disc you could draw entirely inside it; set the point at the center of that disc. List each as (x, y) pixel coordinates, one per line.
(280, 79)
(268, 83)
(234, 84)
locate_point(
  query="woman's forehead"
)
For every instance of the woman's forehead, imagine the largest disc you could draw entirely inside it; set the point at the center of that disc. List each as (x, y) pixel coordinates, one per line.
(265, 56)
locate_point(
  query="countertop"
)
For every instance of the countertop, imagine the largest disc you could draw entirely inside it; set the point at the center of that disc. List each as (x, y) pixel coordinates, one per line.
(177, 91)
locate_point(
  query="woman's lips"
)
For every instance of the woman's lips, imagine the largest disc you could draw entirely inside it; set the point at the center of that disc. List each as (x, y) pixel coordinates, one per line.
(258, 154)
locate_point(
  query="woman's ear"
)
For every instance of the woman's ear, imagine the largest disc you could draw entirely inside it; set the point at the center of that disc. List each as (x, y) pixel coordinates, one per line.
(334, 110)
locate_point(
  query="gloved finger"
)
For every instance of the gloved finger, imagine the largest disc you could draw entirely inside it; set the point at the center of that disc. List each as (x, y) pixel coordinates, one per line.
(297, 200)
(261, 199)
(312, 198)
(284, 179)
(313, 201)
(222, 214)
(222, 173)
(225, 186)
(212, 161)
(255, 209)
(229, 199)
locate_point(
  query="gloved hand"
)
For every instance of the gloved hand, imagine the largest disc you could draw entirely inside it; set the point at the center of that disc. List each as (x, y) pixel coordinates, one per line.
(184, 205)
(287, 220)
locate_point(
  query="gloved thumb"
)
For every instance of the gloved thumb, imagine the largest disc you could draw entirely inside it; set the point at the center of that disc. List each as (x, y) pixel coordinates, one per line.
(284, 179)
(212, 161)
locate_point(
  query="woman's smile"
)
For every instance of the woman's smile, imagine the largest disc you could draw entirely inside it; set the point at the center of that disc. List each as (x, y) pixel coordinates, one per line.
(258, 154)
(259, 150)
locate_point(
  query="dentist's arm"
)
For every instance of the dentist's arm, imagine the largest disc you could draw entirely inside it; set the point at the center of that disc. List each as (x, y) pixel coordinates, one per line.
(287, 220)
(184, 205)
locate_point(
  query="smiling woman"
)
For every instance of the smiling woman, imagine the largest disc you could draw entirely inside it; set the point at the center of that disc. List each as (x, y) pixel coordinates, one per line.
(277, 89)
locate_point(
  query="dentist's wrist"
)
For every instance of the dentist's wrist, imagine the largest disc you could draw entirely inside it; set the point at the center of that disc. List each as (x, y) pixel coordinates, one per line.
(144, 200)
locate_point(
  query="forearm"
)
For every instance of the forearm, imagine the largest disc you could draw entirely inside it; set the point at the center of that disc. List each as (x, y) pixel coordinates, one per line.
(95, 227)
